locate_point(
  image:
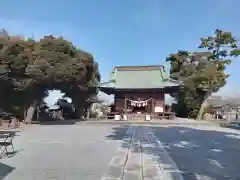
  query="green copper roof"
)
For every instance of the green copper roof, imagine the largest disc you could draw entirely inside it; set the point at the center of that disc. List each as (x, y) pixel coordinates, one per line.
(139, 79)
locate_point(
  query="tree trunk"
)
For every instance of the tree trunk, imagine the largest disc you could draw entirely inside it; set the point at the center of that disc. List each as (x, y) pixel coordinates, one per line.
(80, 112)
(25, 114)
(88, 114)
(202, 108)
(38, 112)
(30, 113)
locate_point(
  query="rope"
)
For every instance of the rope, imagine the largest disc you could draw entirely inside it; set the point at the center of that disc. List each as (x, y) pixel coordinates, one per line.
(139, 103)
(134, 101)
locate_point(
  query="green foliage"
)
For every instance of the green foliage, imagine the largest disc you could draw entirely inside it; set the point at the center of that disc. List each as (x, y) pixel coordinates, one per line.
(29, 68)
(67, 109)
(202, 73)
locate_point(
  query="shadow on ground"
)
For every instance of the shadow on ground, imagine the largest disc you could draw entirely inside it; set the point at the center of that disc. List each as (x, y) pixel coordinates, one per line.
(11, 154)
(231, 125)
(197, 153)
(5, 170)
(118, 133)
(58, 122)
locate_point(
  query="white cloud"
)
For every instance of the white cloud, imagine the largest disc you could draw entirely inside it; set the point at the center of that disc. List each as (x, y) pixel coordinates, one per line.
(108, 99)
(53, 97)
(168, 99)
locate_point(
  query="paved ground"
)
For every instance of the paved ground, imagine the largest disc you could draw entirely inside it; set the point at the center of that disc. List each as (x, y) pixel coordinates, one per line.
(61, 152)
(121, 151)
(202, 152)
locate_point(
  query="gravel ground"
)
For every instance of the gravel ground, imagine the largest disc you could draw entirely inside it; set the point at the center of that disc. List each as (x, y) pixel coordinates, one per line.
(60, 152)
(92, 151)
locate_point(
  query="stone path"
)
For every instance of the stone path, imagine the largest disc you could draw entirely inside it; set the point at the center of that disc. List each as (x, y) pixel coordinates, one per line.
(142, 157)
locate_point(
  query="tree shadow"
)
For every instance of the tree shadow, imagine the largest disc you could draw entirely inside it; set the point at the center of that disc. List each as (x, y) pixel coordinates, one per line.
(232, 125)
(59, 122)
(118, 133)
(197, 153)
(5, 170)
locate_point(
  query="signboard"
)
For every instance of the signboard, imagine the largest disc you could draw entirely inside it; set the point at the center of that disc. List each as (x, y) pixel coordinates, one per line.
(158, 109)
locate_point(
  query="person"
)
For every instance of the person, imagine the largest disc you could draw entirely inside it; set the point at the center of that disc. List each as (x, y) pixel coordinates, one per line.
(121, 115)
(10, 122)
(237, 116)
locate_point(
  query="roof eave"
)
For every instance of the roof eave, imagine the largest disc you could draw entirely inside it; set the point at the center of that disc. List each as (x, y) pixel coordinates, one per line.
(129, 89)
(174, 81)
(108, 84)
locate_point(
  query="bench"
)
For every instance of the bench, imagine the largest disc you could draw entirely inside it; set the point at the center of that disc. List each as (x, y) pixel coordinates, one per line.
(6, 139)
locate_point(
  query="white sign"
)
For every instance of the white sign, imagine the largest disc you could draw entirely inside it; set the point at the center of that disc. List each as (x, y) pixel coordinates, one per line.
(158, 109)
(117, 117)
(148, 118)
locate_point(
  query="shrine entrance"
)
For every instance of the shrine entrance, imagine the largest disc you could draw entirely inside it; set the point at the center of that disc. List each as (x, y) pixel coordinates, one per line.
(139, 106)
(137, 109)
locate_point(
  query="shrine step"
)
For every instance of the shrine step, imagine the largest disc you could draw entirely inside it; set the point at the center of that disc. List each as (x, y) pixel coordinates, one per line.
(136, 117)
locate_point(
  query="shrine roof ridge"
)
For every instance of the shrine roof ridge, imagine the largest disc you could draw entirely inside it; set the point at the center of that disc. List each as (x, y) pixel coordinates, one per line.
(138, 68)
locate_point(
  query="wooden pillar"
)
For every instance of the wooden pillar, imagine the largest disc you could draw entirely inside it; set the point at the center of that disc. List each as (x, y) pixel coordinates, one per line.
(163, 102)
(125, 104)
(153, 105)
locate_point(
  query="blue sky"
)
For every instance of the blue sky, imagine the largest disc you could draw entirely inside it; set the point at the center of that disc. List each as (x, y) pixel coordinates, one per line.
(126, 32)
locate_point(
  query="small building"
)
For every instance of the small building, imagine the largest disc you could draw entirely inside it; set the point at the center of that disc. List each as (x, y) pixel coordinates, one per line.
(139, 89)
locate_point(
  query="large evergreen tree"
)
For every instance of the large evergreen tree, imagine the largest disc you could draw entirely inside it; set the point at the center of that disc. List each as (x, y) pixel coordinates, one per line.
(202, 73)
(29, 68)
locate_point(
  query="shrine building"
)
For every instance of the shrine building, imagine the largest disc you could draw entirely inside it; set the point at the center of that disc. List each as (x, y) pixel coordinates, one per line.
(139, 89)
